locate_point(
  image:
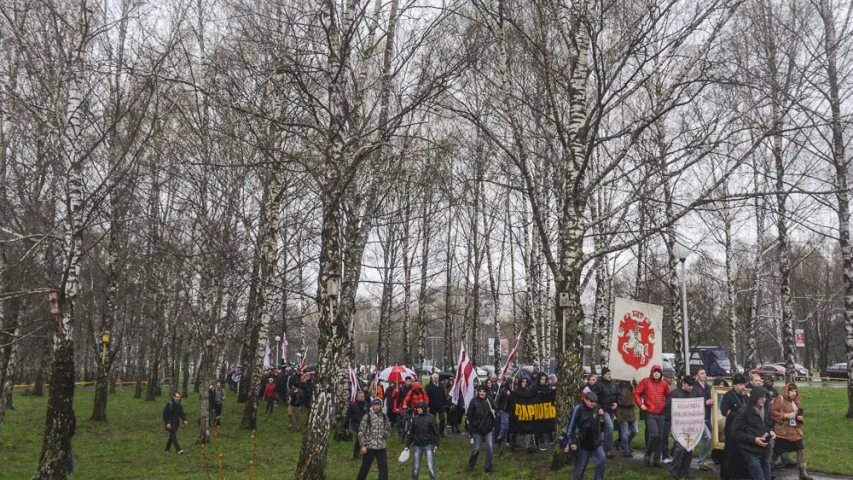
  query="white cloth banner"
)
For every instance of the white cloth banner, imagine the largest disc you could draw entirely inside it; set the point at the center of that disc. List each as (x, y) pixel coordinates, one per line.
(267, 355)
(353, 379)
(637, 343)
(688, 421)
(284, 347)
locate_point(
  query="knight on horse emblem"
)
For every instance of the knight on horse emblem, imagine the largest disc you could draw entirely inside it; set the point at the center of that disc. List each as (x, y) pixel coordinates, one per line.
(636, 339)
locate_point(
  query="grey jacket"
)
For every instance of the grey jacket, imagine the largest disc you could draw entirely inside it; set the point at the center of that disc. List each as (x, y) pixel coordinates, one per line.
(218, 395)
(374, 429)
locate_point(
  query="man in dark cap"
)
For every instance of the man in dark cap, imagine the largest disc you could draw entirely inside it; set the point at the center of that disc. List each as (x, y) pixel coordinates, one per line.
(481, 422)
(372, 433)
(608, 398)
(425, 437)
(585, 437)
(681, 458)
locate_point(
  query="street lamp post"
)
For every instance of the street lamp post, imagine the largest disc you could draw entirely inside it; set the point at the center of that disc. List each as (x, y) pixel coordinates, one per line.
(277, 351)
(682, 252)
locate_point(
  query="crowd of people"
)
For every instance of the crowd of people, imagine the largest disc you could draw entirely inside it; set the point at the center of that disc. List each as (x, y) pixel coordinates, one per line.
(762, 426)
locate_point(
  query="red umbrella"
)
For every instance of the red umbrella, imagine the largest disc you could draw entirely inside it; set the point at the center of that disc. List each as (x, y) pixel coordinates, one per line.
(396, 374)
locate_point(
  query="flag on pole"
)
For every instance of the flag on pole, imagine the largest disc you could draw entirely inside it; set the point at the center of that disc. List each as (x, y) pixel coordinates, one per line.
(304, 361)
(353, 384)
(284, 346)
(465, 375)
(267, 355)
(376, 374)
(509, 359)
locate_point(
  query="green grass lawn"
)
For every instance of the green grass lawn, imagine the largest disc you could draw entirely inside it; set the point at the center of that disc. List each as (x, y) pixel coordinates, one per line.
(131, 445)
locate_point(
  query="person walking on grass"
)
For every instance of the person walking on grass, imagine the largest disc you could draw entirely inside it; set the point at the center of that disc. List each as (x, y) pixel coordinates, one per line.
(173, 414)
(608, 398)
(481, 420)
(425, 437)
(372, 433)
(72, 429)
(651, 395)
(788, 425)
(625, 411)
(702, 386)
(681, 457)
(435, 393)
(218, 400)
(752, 434)
(294, 403)
(269, 395)
(356, 412)
(585, 437)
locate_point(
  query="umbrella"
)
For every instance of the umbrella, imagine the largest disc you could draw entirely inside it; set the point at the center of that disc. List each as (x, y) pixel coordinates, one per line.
(396, 374)
(446, 374)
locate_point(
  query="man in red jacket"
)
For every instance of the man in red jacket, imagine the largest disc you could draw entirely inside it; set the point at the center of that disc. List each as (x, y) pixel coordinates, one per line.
(651, 395)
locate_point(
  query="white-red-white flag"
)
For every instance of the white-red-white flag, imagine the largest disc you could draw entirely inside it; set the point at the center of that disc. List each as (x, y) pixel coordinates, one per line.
(304, 362)
(284, 347)
(267, 355)
(353, 384)
(509, 359)
(465, 375)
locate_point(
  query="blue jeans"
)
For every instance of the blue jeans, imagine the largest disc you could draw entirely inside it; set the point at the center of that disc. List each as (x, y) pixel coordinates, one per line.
(504, 427)
(629, 431)
(479, 440)
(70, 455)
(608, 431)
(664, 440)
(759, 468)
(429, 451)
(705, 449)
(583, 458)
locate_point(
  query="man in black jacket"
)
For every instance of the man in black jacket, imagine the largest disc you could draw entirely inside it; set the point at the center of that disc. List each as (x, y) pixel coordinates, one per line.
(752, 434)
(425, 437)
(481, 421)
(585, 437)
(356, 412)
(704, 388)
(503, 405)
(681, 458)
(173, 413)
(608, 394)
(435, 394)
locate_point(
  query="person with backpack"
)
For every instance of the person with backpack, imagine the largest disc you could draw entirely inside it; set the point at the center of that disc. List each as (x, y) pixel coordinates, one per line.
(584, 433)
(424, 435)
(372, 433)
(173, 413)
(415, 395)
(481, 423)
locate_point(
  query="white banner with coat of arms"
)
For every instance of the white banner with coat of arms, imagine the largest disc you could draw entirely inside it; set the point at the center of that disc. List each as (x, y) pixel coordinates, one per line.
(637, 341)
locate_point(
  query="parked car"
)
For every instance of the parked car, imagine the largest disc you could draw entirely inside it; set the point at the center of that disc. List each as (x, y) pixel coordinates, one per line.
(800, 372)
(770, 369)
(837, 371)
